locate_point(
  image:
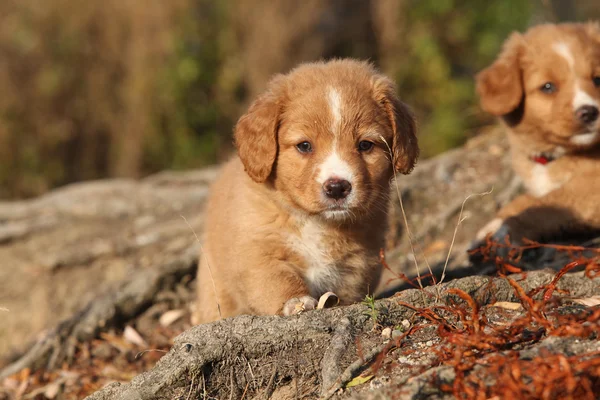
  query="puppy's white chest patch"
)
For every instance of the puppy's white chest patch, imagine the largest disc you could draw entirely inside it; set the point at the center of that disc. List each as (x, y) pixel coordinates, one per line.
(541, 182)
(322, 274)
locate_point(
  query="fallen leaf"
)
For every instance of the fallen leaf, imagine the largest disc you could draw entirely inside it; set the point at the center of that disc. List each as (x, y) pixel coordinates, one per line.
(53, 389)
(170, 316)
(118, 342)
(359, 380)
(588, 301)
(132, 336)
(49, 391)
(508, 305)
(329, 299)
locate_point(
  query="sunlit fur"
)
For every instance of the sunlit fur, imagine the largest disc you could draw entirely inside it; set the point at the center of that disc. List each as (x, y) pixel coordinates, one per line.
(541, 123)
(271, 232)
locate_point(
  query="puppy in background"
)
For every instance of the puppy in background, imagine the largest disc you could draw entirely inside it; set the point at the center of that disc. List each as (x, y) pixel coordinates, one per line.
(302, 210)
(545, 86)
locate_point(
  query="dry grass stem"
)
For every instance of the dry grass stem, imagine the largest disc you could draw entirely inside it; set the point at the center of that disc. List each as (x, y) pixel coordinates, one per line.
(405, 219)
(460, 220)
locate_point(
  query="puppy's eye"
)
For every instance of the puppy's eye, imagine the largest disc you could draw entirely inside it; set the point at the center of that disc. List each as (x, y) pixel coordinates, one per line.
(596, 81)
(365, 145)
(304, 147)
(548, 88)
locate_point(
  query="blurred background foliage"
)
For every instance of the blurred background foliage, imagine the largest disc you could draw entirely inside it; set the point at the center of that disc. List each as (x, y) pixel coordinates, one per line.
(124, 88)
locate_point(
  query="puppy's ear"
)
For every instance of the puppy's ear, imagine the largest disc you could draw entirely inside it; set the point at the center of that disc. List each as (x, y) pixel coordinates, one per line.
(500, 86)
(405, 147)
(593, 29)
(256, 132)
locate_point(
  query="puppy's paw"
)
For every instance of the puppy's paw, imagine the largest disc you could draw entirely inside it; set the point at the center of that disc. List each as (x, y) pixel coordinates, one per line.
(490, 228)
(499, 230)
(297, 305)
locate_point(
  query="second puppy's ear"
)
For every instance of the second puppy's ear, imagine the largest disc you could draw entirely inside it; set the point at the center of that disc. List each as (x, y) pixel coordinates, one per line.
(256, 132)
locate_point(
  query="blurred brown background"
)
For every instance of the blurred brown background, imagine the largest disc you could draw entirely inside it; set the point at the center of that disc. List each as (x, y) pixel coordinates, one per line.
(104, 88)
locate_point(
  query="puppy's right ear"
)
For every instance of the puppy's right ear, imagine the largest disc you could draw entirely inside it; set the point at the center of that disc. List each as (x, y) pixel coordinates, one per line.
(405, 146)
(500, 86)
(256, 133)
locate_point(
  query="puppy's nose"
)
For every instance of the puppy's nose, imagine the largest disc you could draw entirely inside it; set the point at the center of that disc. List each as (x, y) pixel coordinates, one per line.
(337, 188)
(587, 114)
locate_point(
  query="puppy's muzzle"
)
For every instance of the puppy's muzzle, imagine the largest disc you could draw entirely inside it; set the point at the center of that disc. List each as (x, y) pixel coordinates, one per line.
(337, 189)
(587, 114)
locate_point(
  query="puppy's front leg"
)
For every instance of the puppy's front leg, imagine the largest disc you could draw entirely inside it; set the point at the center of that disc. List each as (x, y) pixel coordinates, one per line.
(278, 289)
(536, 218)
(505, 223)
(526, 217)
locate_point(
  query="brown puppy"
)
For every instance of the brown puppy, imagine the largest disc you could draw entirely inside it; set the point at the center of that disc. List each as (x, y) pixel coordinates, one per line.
(545, 85)
(302, 210)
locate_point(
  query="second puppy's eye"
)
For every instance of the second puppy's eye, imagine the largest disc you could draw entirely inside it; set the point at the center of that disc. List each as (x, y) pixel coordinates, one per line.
(304, 147)
(596, 81)
(365, 145)
(548, 88)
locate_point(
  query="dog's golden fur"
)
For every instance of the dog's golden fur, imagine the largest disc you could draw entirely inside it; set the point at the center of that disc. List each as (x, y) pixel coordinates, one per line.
(545, 85)
(273, 240)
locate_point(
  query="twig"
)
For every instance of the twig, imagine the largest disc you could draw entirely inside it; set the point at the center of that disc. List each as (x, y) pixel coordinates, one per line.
(146, 351)
(270, 387)
(191, 387)
(408, 231)
(460, 220)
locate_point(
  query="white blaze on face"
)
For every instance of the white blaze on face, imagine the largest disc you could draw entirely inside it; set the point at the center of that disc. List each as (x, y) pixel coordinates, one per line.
(334, 166)
(563, 49)
(335, 105)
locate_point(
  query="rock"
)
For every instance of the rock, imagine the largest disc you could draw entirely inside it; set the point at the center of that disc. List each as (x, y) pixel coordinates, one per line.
(386, 333)
(67, 247)
(396, 334)
(405, 324)
(102, 255)
(293, 348)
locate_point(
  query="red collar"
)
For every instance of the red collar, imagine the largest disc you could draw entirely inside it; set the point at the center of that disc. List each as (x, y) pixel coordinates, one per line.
(542, 158)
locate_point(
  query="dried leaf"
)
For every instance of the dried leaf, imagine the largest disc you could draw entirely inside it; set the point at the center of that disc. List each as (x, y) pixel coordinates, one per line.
(52, 390)
(329, 299)
(588, 301)
(359, 380)
(170, 316)
(132, 336)
(508, 305)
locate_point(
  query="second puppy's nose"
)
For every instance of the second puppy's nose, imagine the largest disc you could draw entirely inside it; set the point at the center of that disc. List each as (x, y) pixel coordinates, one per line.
(337, 188)
(587, 114)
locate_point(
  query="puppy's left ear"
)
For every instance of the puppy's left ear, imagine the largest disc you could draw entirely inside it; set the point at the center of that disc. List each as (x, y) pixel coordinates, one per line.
(405, 147)
(593, 29)
(256, 133)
